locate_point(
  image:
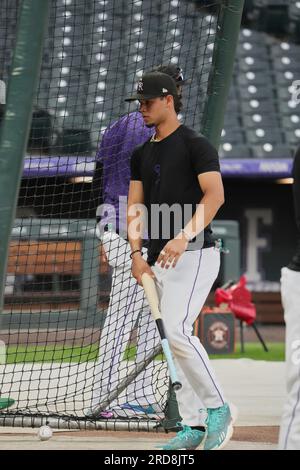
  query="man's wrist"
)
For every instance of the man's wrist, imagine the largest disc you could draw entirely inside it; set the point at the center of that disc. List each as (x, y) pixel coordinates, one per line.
(184, 235)
(136, 253)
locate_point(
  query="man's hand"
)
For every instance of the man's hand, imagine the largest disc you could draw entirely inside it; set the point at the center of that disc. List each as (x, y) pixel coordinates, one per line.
(139, 267)
(172, 251)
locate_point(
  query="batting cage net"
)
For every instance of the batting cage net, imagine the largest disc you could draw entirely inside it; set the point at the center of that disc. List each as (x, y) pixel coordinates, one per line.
(77, 340)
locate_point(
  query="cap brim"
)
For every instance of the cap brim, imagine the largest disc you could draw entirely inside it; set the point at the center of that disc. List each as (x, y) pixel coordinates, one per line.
(138, 97)
(141, 97)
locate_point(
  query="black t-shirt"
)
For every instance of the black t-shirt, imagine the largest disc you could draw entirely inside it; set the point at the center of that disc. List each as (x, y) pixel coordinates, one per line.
(295, 263)
(169, 172)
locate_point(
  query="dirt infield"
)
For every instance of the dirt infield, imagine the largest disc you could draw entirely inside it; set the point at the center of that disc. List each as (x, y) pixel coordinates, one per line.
(244, 438)
(267, 434)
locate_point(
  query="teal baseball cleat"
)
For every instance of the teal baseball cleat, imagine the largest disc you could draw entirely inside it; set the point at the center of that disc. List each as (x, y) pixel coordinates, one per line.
(219, 428)
(187, 438)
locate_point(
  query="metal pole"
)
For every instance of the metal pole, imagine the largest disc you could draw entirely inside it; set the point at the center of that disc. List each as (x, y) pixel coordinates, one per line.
(222, 66)
(16, 123)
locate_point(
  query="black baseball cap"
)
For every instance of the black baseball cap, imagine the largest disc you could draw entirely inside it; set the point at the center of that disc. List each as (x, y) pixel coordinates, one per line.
(174, 71)
(153, 85)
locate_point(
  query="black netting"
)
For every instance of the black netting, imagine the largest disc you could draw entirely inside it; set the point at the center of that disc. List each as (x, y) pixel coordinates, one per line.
(75, 324)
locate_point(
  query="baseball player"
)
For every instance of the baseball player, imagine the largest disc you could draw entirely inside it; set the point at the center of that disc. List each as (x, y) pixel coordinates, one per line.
(179, 169)
(289, 438)
(127, 303)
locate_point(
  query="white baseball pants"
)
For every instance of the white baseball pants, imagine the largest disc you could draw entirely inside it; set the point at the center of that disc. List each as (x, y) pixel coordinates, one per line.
(183, 291)
(289, 437)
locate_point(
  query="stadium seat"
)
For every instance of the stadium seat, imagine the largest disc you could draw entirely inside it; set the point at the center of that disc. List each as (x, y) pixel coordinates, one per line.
(106, 85)
(271, 151)
(108, 54)
(294, 24)
(61, 59)
(256, 121)
(151, 23)
(284, 78)
(257, 78)
(103, 102)
(174, 20)
(42, 97)
(247, 48)
(287, 108)
(291, 122)
(233, 136)
(75, 8)
(74, 142)
(250, 35)
(260, 136)
(143, 55)
(208, 20)
(70, 35)
(292, 137)
(286, 63)
(181, 8)
(252, 64)
(73, 79)
(256, 92)
(284, 93)
(180, 47)
(282, 48)
(40, 133)
(228, 150)
(262, 107)
(102, 30)
(114, 25)
(113, 7)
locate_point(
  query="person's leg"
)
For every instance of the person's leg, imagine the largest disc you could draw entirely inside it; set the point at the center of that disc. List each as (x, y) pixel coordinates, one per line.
(193, 418)
(183, 291)
(141, 392)
(191, 408)
(289, 437)
(126, 299)
(127, 302)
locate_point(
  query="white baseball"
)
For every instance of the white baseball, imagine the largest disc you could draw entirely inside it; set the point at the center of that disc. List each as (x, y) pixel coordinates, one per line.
(44, 433)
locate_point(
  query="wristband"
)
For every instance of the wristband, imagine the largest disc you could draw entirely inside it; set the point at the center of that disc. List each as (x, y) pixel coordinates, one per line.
(135, 251)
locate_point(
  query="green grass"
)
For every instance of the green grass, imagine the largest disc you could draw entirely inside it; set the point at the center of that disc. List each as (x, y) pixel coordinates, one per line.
(41, 353)
(255, 351)
(252, 351)
(23, 354)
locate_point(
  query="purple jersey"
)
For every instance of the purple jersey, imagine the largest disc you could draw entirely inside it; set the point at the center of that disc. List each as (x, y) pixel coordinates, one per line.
(118, 142)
